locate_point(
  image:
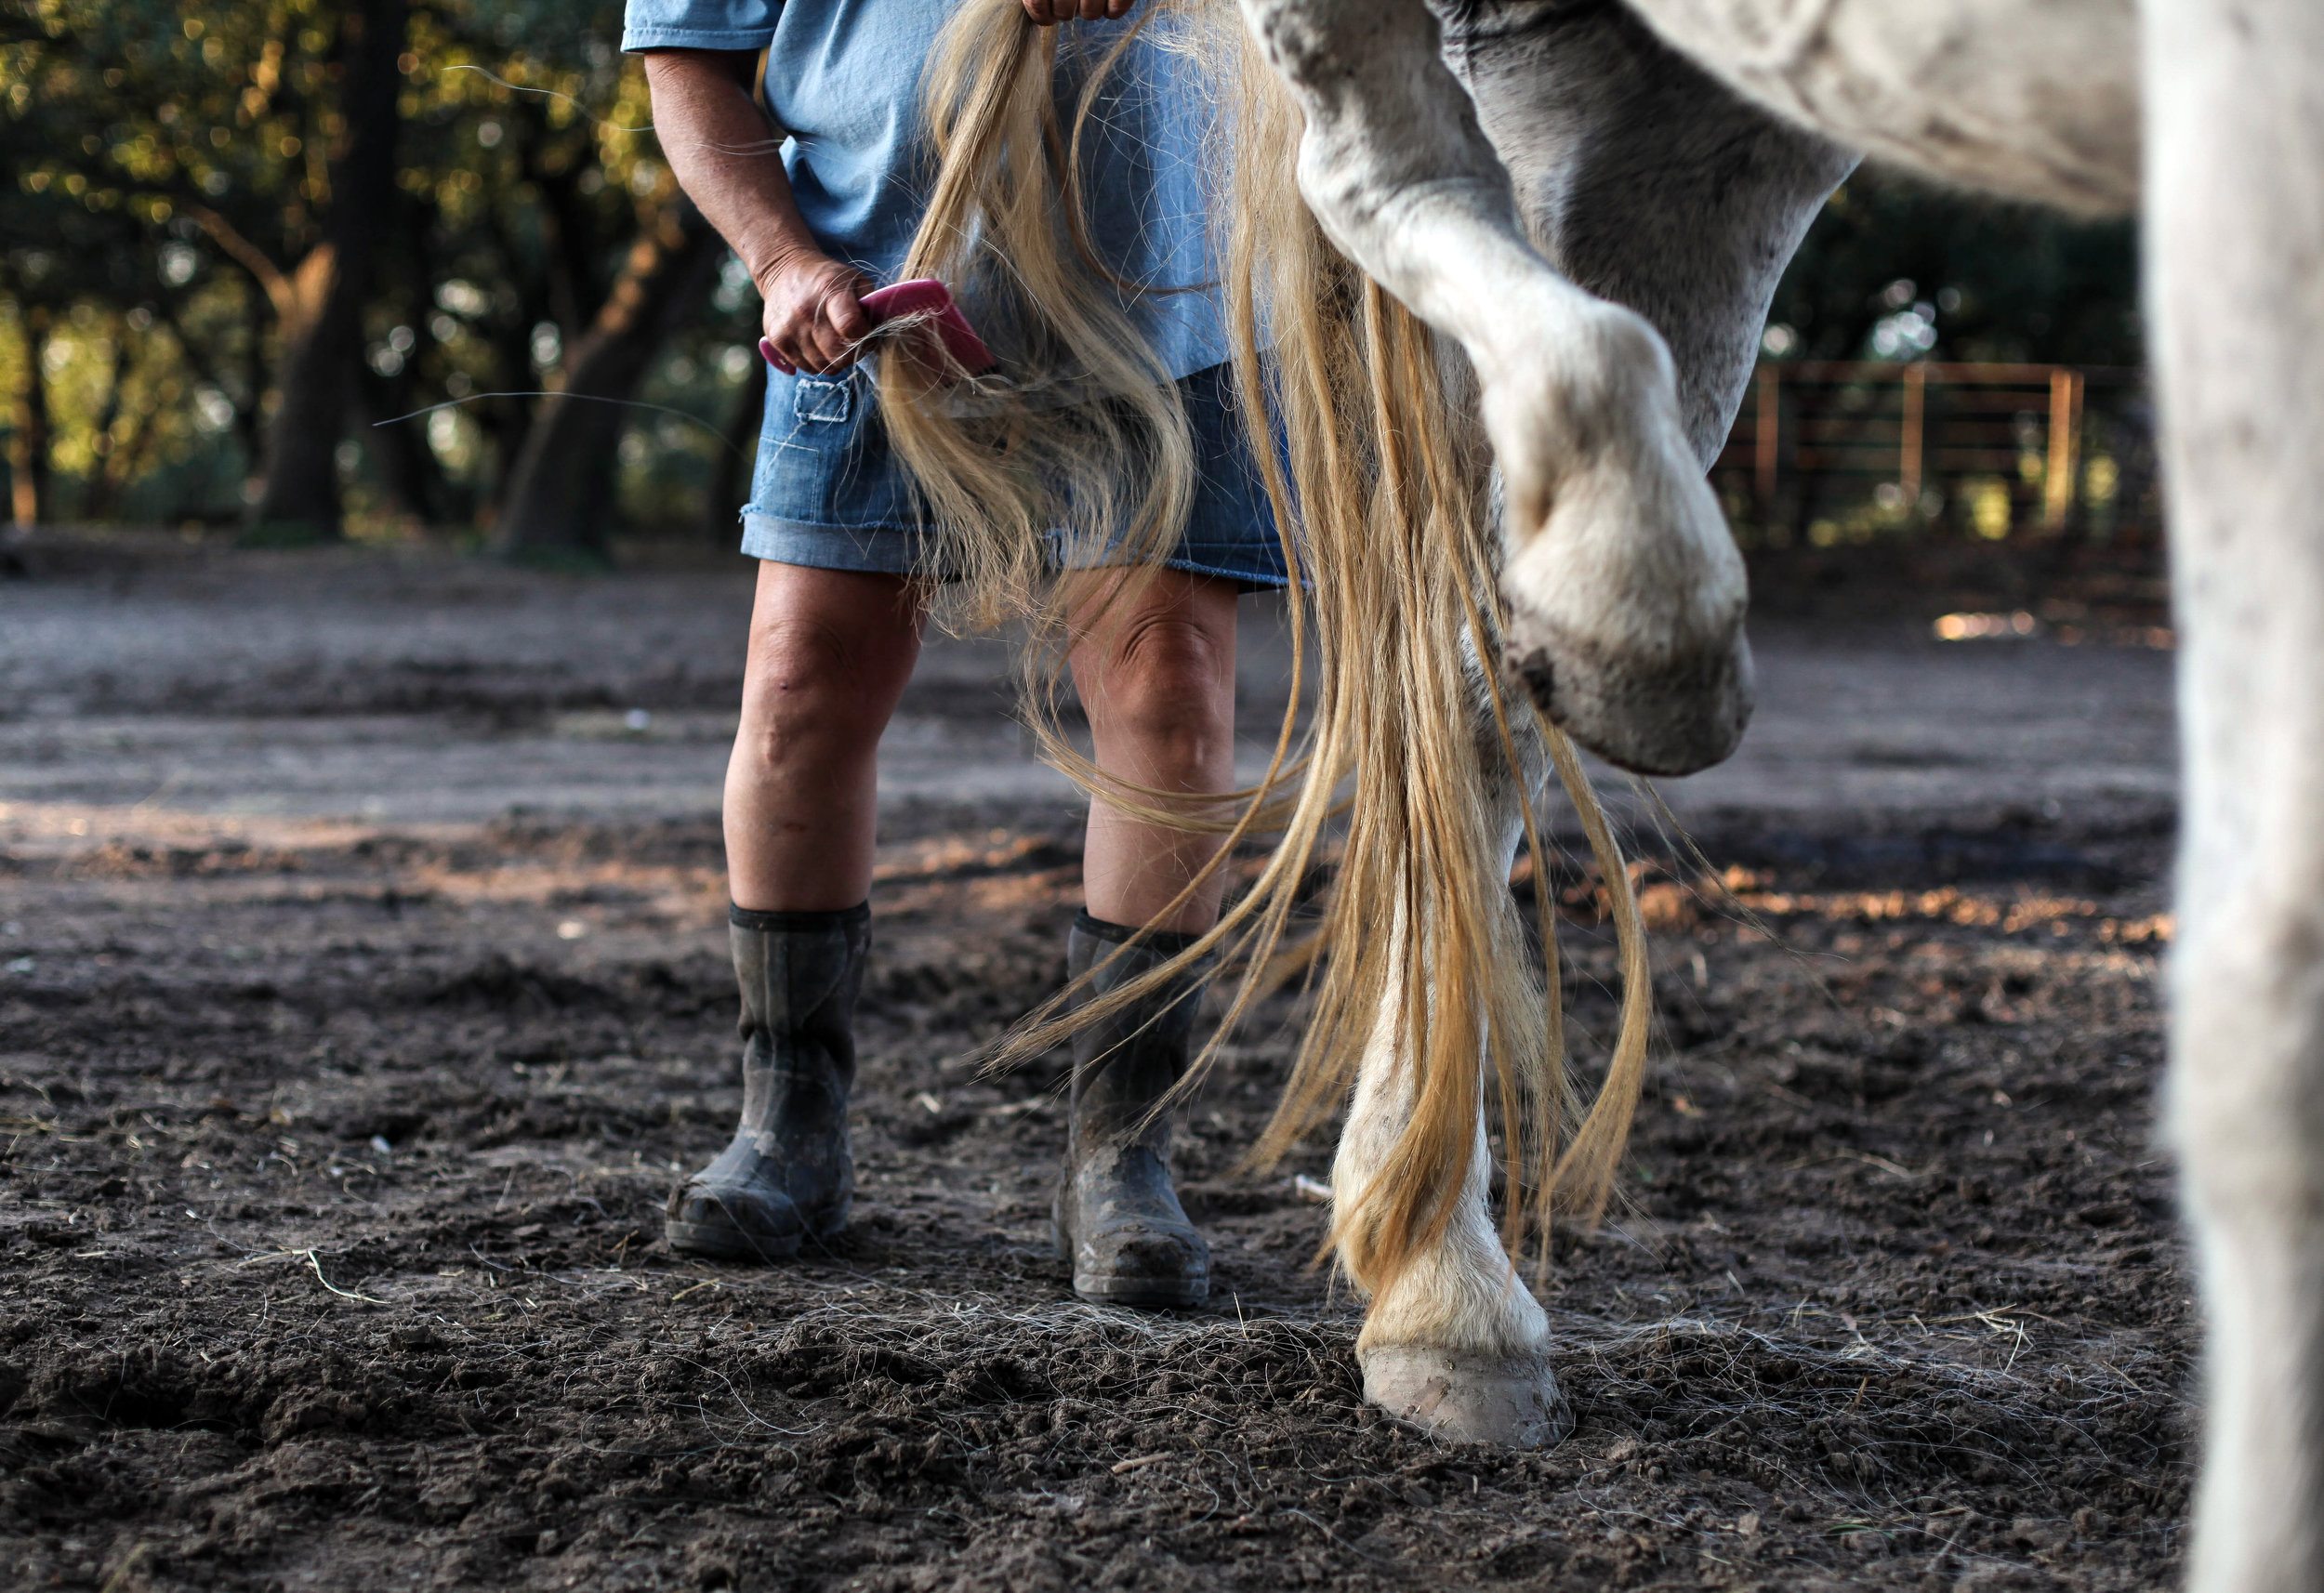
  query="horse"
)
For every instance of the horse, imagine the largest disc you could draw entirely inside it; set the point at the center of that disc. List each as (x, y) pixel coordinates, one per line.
(1501, 342)
(1592, 198)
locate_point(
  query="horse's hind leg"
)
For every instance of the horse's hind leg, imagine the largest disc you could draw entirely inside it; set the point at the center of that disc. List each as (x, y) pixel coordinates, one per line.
(1457, 1344)
(1636, 644)
(1454, 1342)
(1644, 181)
(2233, 229)
(1667, 208)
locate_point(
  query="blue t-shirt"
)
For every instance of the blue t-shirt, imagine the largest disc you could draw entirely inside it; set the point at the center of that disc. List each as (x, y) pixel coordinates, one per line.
(844, 83)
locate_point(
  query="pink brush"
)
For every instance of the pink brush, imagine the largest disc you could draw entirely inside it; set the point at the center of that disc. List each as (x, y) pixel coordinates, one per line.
(923, 295)
(926, 296)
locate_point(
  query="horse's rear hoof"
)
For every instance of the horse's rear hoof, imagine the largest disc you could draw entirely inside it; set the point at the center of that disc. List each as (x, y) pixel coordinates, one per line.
(1468, 1398)
(1660, 716)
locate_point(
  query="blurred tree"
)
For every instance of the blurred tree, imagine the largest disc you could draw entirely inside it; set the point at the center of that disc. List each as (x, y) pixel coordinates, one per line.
(594, 261)
(1895, 269)
(267, 128)
(319, 303)
(27, 418)
(562, 491)
(262, 218)
(59, 245)
(729, 483)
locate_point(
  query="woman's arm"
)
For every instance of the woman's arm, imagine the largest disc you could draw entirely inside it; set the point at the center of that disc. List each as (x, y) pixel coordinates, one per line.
(728, 158)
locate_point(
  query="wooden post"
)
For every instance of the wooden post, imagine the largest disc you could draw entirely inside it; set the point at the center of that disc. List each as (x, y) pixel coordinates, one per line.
(1916, 418)
(1766, 429)
(2065, 413)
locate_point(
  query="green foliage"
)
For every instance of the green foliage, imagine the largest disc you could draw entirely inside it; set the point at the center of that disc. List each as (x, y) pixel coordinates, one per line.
(170, 174)
(1957, 277)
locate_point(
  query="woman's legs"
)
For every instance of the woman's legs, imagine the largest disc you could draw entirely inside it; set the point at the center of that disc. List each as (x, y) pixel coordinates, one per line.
(830, 654)
(1153, 660)
(831, 651)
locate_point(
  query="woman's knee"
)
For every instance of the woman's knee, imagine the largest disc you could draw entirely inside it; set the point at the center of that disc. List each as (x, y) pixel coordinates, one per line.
(816, 685)
(1165, 673)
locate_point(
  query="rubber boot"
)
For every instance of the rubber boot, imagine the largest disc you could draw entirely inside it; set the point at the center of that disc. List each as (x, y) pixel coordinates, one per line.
(786, 1175)
(1118, 1220)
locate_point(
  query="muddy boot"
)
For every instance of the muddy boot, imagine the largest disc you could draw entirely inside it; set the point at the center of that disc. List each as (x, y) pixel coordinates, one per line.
(1118, 1220)
(786, 1175)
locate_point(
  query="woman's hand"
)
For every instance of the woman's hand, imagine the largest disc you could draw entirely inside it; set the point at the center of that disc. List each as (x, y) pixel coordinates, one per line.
(1050, 12)
(814, 315)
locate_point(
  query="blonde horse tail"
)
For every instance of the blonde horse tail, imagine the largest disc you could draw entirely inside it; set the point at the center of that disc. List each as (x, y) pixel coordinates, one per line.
(1364, 430)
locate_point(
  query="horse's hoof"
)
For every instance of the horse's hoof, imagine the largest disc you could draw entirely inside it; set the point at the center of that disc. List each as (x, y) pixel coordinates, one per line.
(1669, 715)
(1464, 1397)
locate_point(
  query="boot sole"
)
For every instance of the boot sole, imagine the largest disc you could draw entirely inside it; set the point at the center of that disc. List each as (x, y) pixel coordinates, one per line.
(725, 1242)
(1141, 1296)
(730, 1241)
(721, 1241)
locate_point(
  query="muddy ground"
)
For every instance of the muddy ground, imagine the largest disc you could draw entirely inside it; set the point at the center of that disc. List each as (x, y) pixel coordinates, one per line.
(358, 1003)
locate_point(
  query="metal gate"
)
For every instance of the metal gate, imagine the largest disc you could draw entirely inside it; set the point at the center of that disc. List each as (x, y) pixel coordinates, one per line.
(1829, 452)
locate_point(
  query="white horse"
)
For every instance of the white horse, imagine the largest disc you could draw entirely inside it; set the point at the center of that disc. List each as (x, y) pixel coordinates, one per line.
(1595, 200)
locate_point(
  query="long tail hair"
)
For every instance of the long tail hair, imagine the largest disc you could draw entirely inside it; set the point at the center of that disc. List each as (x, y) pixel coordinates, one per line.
(1365, 428)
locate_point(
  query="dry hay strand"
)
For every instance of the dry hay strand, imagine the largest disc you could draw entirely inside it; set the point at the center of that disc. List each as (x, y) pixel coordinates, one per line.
(1884, 1410)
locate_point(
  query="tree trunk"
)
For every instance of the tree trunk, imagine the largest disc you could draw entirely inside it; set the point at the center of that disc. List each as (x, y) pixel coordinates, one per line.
(729, 475)
(28, 422)
(319, 351)
(250, 413)
(110, 471)
(409, 477)
(562, 486)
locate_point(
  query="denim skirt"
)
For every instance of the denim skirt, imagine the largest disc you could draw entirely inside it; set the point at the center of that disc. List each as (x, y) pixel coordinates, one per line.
(828, 492)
